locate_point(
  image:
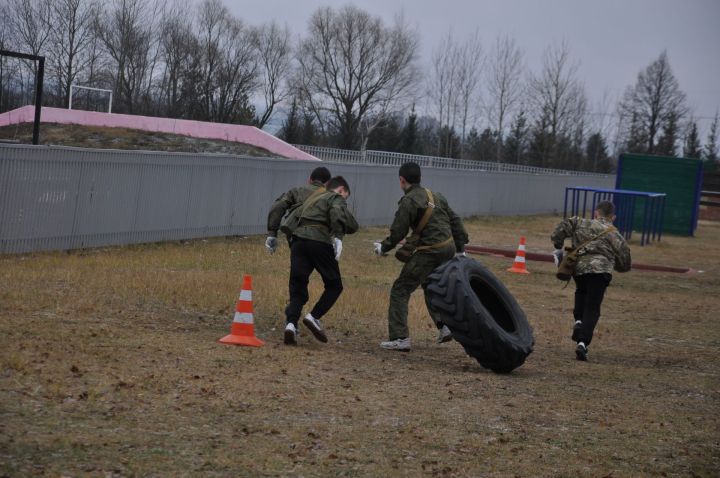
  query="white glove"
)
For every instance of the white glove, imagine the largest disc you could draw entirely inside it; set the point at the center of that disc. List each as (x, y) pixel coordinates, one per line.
(271, 244)
(460, 254)
(337, 245)
(558, 257)
(377, 249)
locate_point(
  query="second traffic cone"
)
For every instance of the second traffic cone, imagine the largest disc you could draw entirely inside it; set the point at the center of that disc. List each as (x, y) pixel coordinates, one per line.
(242, 330)
(519, 264)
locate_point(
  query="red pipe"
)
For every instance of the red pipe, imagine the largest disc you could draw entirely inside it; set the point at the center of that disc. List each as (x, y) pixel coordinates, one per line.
(535, 256)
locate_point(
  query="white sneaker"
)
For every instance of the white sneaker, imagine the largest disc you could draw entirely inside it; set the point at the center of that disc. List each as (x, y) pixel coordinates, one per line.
(581, 352)
(290, 337)
(444, 335)
(402, 345)
(315, 327)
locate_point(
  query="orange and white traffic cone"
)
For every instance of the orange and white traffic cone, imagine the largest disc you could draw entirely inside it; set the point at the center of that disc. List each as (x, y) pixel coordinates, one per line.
(519, 264)
(242, 330)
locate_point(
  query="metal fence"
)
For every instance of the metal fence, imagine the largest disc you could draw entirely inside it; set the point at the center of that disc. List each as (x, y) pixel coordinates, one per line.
(59, 198)
(396, 159)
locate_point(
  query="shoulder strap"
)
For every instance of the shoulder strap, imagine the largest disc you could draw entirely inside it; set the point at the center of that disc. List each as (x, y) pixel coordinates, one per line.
(312, 199)
(428, 212)
(606, 231)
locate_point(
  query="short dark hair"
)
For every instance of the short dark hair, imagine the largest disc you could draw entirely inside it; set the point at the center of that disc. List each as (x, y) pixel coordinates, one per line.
(336, 182)
(606, 208)
(411, 172)
(321, 174)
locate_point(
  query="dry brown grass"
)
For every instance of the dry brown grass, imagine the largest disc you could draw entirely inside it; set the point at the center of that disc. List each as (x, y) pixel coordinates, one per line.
(109, 365)
(125, 138)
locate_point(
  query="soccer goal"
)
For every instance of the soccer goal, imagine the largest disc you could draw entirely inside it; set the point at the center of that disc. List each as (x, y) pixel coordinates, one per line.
(102, 90)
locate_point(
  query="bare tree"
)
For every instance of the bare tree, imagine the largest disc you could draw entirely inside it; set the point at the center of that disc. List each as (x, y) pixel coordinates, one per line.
(30, 24)
(274, 50)
(653, 101)
(5, 44)
(470, 57)
(711, 146)
(126, 32)
(556, 93)
(181, 59)
(229, 65)
(237, 75)
(30, 30)
(72, 32)
(442, 83)
(453, 87)
(559, 102)
(352, 66)
(504, 85)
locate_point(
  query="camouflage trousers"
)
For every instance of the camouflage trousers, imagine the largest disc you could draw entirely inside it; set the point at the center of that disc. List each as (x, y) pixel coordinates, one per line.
(412, 275)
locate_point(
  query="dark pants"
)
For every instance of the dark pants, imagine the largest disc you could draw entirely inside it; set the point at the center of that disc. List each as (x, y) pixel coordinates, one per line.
(305, 256)
(589, 293)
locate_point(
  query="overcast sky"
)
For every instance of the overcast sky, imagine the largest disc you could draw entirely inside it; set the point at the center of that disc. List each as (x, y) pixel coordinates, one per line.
(611, 39)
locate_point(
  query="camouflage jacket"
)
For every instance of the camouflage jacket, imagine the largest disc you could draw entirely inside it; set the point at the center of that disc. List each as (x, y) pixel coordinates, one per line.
(326, 218)
(443, 223)
(291, 199)
(603, 255)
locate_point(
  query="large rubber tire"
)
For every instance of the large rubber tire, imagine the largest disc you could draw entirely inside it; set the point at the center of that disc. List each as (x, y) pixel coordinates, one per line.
(481, 314)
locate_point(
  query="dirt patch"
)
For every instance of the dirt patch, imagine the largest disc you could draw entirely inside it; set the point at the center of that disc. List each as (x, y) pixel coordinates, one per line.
(124, 138)
(109, 366)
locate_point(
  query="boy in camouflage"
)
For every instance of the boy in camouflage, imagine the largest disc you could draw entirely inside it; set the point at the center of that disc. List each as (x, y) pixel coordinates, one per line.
(316, 244)
(290, 200)
(604, 250)
(440, 239)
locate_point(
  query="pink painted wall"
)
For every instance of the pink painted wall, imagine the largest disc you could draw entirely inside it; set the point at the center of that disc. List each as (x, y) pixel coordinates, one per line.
(196, 129)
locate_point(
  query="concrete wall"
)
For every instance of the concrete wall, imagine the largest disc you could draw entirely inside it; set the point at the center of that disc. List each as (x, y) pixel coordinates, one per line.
(56, 198)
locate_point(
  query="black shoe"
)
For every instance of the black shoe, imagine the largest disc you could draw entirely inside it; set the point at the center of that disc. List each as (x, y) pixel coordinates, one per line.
(315, 327)
(581, 352)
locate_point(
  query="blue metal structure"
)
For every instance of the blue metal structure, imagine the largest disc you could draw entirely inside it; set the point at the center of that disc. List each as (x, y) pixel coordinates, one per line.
(653, 211)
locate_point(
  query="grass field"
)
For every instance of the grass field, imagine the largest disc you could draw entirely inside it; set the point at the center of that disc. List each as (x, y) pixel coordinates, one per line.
(110, 366)
(124, 138)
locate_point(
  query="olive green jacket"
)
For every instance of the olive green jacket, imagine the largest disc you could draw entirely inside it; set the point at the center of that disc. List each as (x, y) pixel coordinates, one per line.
(325, 218)
(443, 223)
(287, 202)
(607, 253)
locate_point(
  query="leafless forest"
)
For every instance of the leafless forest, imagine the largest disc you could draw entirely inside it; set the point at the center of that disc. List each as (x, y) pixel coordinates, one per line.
(350, 79)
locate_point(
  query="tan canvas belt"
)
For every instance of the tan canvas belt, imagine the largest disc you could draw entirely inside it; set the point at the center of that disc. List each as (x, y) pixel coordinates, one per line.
(435, 246)
(311, 223)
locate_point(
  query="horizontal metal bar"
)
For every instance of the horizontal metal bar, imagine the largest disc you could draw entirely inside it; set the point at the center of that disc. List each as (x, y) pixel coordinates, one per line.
(24, 56)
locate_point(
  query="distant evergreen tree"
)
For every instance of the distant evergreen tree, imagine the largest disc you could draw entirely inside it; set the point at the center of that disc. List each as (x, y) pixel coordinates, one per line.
(409, 135)
(710, 153)
(428, 129)
(596, 153)
(636, 138)
(488, 145)
(290, 131)
(541, 144)
(692, 147)
(244, 112)
(515, 145)
(386, 136)
(667, 143)
(449, 142)
(472, 145)
(565, 154)
(308, 132)
(653, 102)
